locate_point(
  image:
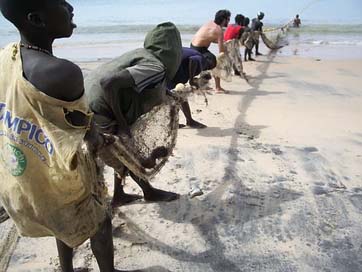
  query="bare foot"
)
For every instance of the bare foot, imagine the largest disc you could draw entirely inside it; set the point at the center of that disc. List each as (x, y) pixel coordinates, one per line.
(154, 194)
(194, 124)
(124, 199)
(220, 91)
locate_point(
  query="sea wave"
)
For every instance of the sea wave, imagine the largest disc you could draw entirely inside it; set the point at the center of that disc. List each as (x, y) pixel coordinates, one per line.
(141, 28)
(323, 42)
(345, 29)
(130, 29)
(330, 29)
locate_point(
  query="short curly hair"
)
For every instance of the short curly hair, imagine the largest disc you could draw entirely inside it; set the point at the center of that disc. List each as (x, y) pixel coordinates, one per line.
(221, 15)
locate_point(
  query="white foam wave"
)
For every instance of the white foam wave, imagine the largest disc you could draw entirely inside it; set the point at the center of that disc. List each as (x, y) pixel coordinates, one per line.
(347, 43)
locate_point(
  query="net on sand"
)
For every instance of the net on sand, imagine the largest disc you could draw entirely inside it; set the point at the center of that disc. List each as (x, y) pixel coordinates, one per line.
(157, 128)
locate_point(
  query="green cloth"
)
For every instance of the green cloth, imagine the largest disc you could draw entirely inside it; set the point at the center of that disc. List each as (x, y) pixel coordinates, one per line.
(162, 46)
(165, 43)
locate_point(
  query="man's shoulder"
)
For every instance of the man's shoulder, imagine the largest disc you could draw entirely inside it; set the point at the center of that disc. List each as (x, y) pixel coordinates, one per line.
(61, 79)
(62, 71)
(65, 67)
(217, 29)
(212, 25)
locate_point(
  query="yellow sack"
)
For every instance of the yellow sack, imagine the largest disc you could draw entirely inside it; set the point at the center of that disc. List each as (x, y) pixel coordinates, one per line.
(48, 181)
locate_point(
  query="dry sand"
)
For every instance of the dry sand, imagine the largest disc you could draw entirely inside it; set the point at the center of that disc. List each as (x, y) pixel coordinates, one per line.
(280, 168)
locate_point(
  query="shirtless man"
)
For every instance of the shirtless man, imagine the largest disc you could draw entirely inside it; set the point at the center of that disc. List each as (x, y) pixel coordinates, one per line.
(257, 28)
(212, 32)
(47, 180)
(296, 21)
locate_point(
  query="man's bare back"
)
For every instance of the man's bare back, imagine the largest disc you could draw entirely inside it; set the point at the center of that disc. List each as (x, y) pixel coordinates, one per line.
(207, 34)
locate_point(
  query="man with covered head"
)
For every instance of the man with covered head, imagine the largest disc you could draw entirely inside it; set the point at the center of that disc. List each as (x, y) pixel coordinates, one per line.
(129, 86)
(48, 183)
(257, 28)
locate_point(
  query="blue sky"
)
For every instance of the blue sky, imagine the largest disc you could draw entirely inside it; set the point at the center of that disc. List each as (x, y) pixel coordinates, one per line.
(316, 11)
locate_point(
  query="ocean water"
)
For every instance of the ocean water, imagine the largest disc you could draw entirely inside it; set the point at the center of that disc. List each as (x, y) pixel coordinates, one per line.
(108, 28)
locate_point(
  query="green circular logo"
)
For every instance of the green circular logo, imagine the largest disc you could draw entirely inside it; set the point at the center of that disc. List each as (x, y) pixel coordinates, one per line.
(14, 160)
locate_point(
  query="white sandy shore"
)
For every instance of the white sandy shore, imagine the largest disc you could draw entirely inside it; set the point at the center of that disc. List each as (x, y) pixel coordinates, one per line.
(280, 168)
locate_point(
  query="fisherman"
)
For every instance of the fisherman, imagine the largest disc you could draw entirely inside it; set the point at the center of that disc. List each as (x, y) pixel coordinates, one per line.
(297, 22)
(247, 40)
(232, 35)
(122, 90)
(48, 183)
(192, 64)
(235, 31)
(212, 32)
(256, 29)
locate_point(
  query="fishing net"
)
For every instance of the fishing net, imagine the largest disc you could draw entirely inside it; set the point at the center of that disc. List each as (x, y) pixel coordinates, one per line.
(275, 38)
(3, 215)
(224, 67)
(229, 62)
(157, 128)
(247, 40)
(233, 50)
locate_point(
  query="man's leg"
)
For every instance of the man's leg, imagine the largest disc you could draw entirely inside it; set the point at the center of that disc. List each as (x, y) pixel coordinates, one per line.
(189, 121)
(153, 194)
(65, 254)
(119, 196)
(257, 53)
(249, 54)
(102, 246)
(218, 88)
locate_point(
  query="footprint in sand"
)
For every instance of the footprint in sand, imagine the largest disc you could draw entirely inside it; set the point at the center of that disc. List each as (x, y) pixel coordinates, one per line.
(310, 149)
(356, 200)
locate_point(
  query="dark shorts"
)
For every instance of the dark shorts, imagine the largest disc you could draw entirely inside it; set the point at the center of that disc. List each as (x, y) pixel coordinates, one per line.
(210, 58)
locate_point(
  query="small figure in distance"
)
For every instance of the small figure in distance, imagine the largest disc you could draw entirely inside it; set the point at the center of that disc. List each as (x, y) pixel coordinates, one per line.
(297, 22)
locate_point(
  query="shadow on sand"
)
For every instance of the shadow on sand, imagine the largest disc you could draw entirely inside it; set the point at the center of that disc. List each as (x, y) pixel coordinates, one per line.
(223, 213)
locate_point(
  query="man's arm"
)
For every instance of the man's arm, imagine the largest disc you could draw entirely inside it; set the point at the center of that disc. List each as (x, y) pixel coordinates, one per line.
(220, 40)
(195, 67)
(118, 81)
(136, 78)
(241, 32)
(113, 85)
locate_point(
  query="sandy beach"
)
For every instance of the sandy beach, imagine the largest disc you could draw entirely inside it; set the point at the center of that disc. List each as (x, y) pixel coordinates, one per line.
(280, 170)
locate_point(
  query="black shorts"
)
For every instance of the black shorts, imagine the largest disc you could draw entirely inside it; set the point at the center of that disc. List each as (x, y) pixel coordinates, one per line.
(209, 57)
